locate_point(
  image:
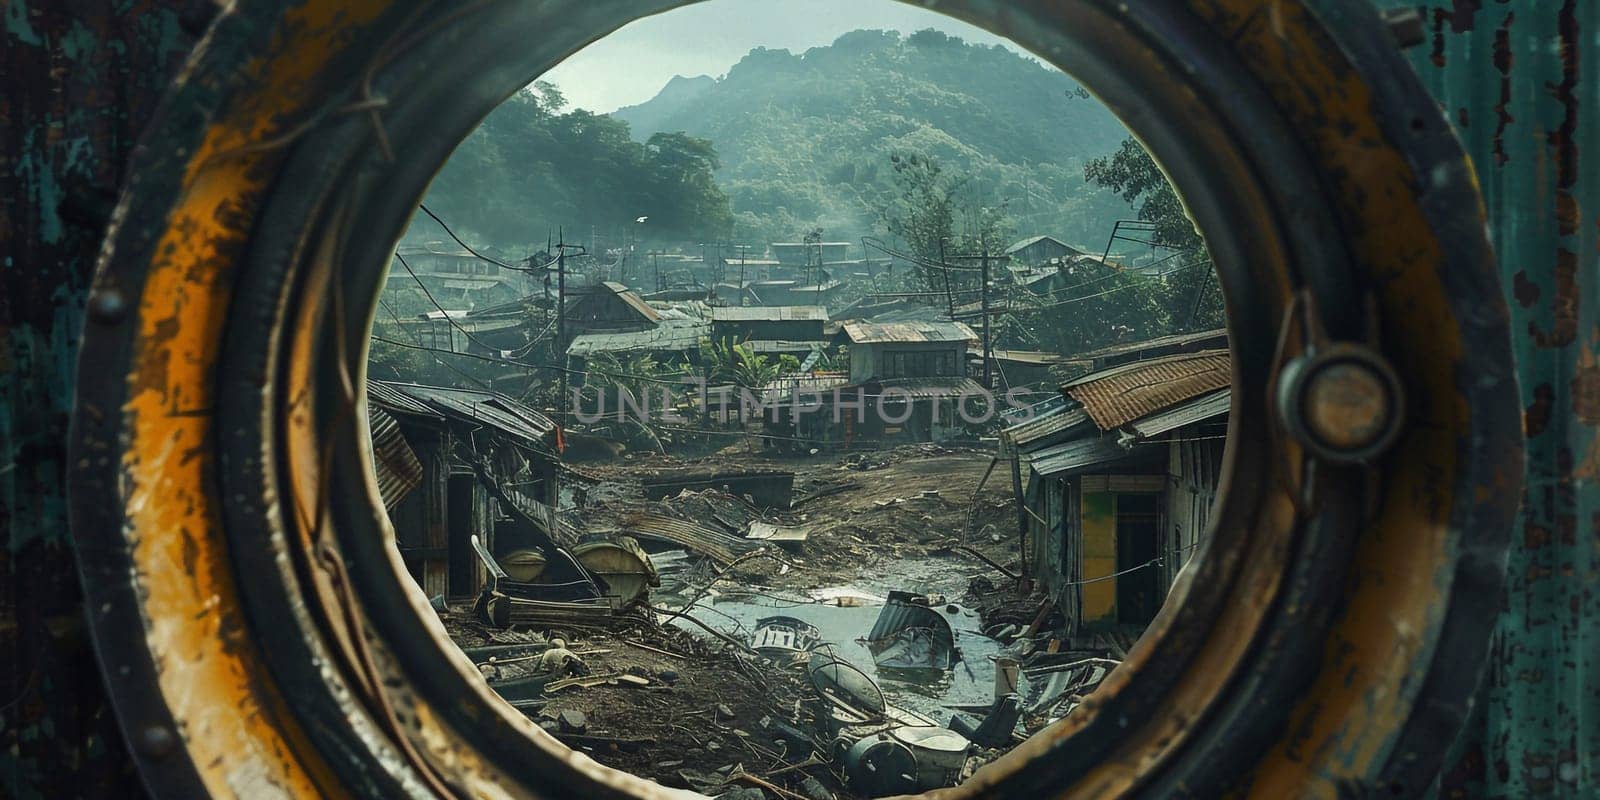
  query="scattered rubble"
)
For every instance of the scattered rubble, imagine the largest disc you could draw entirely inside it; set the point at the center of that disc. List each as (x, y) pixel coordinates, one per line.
(600, 644)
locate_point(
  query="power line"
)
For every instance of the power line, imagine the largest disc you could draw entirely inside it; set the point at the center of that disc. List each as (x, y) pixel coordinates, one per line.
(436, 360)
(541, 269)
(1072, 300)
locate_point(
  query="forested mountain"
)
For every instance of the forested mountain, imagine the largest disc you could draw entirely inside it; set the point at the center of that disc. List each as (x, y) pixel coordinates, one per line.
(804, 140)
(533, 166)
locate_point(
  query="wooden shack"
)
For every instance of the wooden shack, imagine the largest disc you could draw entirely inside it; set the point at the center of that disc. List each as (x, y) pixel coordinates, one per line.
(443, 459)
(1118, 475)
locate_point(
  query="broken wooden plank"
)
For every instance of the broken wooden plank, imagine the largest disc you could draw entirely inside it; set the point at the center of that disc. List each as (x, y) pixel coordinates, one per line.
(642, 646)
(985, 559)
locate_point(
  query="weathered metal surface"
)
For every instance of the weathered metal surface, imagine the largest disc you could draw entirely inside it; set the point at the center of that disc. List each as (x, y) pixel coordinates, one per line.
(1164, 345)
(668, 336)
(393, 461)
(769, 314)
(1069, 458)
(1125, 393)
(1196, 410)
(721, 547)
(1055, 420)
(491, 409)
(1521, 83)
(632, 299)
(906, 332)
(890, 390)
(908, 635)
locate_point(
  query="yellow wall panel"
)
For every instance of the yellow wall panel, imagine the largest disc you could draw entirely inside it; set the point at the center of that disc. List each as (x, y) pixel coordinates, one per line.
(1099, 527)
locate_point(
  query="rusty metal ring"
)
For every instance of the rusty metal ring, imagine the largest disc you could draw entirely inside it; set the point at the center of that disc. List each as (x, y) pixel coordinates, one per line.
(269, 638)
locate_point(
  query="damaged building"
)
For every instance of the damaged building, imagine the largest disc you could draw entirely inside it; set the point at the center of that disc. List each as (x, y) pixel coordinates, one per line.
(1120, 472)
(444, 458)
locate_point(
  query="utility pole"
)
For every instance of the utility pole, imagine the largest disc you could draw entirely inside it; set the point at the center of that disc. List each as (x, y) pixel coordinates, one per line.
(988, 351)
(656, 258)
(742, 254)
(950, 297)
(561, 328)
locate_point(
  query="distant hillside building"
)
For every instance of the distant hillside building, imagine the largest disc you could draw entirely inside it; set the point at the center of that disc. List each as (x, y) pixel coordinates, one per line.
(768, 323)
(1039, 250)
(457, 279)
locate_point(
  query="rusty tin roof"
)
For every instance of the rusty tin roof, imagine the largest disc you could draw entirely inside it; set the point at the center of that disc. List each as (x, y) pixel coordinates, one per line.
(1121, 394)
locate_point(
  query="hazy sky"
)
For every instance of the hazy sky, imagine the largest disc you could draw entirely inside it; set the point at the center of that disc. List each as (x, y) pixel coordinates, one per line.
(631, 65)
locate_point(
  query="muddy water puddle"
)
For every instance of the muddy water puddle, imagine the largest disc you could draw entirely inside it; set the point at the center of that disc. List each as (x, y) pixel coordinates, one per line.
(844, 615)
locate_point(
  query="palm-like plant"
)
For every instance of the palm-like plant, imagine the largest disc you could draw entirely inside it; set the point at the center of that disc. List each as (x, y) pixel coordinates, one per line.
(739, 364)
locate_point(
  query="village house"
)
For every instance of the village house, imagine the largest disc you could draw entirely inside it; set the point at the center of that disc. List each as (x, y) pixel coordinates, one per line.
(1117, 476)
(457, 279)
(452, 464)
(607, 307)
(1036, 251)
(797, 324)
(904, 383)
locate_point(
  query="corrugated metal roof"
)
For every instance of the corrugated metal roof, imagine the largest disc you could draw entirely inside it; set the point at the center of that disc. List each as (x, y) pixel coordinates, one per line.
(670, 334)
(1199, 409)
(1075, 456)
(1032, 240)
(721, 547)
(859, 332)
(393, 461)
(1031, 357)
(780, 346)
(1121, 394)
(931, 387)
(1175, 340)
(481, 407)
(1011, 417)
(383, 396)
(633, 300)
(1038, 431)
(783, 388)
(769, 314)
(826, 286)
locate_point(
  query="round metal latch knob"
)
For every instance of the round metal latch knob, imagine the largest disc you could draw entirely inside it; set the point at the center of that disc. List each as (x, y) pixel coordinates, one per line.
(1344, 403)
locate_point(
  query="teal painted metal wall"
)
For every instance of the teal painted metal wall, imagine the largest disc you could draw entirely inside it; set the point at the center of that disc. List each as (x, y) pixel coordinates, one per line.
(81, 80)
(1521, 82)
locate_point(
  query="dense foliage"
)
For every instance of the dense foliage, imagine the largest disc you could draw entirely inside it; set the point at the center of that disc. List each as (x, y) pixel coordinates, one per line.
(805, 139)
(533, 167)
(1189, 299)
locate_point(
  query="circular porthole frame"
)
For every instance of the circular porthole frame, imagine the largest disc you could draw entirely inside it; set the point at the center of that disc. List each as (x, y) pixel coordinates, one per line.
(1325, 640)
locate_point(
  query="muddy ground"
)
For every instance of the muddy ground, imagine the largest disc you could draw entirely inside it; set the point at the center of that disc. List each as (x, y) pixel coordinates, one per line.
(700, 713)
(862, 511)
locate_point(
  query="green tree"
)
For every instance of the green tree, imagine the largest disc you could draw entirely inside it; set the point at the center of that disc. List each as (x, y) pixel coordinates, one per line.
(1188, 296)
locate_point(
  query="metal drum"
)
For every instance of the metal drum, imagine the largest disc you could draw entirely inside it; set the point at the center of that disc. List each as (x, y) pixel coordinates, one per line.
(879, 766)
(940, 754)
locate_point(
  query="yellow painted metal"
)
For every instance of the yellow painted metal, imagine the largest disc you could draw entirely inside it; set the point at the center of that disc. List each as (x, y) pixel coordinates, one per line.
(1099, 557)
(230, 717)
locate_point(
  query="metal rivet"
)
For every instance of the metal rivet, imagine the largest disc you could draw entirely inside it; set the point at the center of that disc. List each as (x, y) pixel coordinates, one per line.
(1346, 405)
(1344, 402)
(156, 741)
(108, 305)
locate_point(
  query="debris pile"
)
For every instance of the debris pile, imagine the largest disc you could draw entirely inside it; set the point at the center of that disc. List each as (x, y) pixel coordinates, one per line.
(600, 642)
